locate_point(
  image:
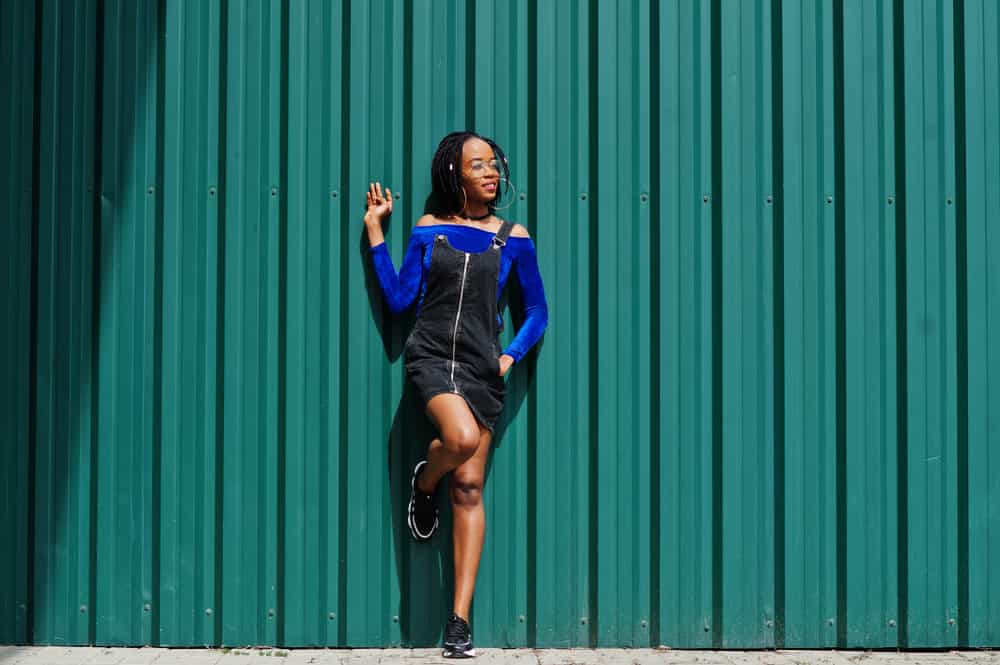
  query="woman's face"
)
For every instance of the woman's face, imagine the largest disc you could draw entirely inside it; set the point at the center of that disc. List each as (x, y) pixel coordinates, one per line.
(480, 171)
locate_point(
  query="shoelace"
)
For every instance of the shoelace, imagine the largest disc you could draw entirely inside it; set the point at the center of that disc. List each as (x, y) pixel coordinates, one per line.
(457, 630)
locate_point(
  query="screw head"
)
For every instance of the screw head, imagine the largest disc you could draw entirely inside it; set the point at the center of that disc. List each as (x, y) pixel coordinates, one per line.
(396, 196)
(770, 199)
(395, 619)
(892, 623)
(523, 196)
(274, 191)
(769, 623)
(211, 191)
(643, 197)
(83, 609)
(583, 196)
(521, 618)
(147, 607)
(270, 611)
(705, 198)
(643, 623)
(331, 616)
(583, 620)
(951, 621)
(829, 199)
(150, 189)
(208, 611)
(829, 622)
(334, 194)
(891, 200)
(949, 200)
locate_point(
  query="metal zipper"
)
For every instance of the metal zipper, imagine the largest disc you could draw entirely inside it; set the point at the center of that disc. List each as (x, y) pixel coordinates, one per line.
(458, 315)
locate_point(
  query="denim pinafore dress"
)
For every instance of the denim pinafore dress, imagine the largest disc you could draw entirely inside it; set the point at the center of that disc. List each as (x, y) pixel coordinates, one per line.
(454, 345)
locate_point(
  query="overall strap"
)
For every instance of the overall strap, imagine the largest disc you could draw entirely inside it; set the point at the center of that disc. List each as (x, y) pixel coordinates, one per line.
(500, 239)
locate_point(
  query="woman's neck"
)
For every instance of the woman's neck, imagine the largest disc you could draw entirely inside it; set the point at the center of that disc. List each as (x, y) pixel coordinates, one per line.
(476, 212)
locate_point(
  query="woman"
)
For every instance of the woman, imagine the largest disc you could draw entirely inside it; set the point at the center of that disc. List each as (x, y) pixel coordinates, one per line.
(456, 265)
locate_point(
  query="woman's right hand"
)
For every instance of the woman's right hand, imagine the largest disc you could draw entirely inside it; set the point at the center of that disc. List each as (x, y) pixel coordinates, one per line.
(379, 206)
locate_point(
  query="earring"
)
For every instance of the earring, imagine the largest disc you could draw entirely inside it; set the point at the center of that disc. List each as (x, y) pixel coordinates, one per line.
(513, 197)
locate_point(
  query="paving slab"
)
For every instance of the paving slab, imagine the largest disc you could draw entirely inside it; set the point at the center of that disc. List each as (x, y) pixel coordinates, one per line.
(143, 656)
(981, 655)
(937, 658)
(665, 656)
(491, 657)
(816, 657)
(315, 656)
(189, 657)
(759, 658)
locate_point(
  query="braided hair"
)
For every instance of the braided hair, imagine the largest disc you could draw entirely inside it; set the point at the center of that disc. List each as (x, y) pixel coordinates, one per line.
(446, 197)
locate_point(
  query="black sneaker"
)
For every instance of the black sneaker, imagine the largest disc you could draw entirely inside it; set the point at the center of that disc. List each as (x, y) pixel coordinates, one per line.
(422, 515)
(457, 639)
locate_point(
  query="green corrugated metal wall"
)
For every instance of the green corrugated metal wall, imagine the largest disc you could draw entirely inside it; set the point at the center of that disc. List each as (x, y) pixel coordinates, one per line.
(765, 412)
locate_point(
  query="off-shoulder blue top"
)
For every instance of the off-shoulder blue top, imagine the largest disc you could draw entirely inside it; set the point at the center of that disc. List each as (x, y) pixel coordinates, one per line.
(409, 285)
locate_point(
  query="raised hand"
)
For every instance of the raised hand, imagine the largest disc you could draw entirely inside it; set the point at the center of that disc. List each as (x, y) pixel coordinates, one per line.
(379, 206)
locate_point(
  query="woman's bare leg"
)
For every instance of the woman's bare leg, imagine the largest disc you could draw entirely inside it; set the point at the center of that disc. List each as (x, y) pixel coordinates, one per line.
(464, 448)
(457, 440)
(468, 522)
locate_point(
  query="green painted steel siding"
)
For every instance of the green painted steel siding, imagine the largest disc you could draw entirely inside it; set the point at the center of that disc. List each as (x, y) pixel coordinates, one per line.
(871, 353)
(764, 413)
(980, 195)
(17, 61)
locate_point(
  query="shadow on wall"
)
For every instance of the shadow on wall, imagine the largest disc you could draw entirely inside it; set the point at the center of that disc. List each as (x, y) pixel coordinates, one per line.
(92, 230)
(18, 118)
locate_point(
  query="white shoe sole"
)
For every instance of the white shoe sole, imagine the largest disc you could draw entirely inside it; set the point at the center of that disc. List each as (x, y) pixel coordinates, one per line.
(471, 653)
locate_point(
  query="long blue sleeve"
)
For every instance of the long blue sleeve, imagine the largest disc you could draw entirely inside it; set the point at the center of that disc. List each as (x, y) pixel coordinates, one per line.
(536, 310)
(400, 290)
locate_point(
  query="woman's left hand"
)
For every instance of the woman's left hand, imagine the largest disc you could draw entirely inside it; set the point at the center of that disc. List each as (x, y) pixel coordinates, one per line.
(505, 363)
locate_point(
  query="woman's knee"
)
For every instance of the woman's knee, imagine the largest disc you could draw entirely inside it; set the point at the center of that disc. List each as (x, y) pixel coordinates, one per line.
(462, 441)
(466, 488)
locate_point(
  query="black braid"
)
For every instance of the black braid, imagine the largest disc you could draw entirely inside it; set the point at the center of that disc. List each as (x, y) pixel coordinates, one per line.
(446, 170)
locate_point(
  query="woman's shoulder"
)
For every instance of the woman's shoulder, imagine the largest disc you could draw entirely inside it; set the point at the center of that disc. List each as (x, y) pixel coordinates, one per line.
(519, 232)
(427, 220)
(521, 238)
(425, 229)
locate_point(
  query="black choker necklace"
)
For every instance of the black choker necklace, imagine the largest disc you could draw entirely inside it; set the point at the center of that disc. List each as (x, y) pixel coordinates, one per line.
(480, 217)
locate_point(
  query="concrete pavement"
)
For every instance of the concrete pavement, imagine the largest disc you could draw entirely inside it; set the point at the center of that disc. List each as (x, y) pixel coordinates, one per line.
(33, 655)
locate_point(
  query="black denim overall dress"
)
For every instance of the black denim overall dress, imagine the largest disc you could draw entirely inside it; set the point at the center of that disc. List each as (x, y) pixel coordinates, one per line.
(454, 344)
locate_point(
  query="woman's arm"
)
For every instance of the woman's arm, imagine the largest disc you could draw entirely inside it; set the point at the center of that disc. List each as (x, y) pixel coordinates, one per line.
(400, 290)
(536, 310)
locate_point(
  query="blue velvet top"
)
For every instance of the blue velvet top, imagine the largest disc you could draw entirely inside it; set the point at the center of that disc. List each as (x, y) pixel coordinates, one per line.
(409, 285)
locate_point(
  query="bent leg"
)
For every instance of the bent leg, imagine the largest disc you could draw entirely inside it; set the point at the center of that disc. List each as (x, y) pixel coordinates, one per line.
(457, 440)
(469, 522)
